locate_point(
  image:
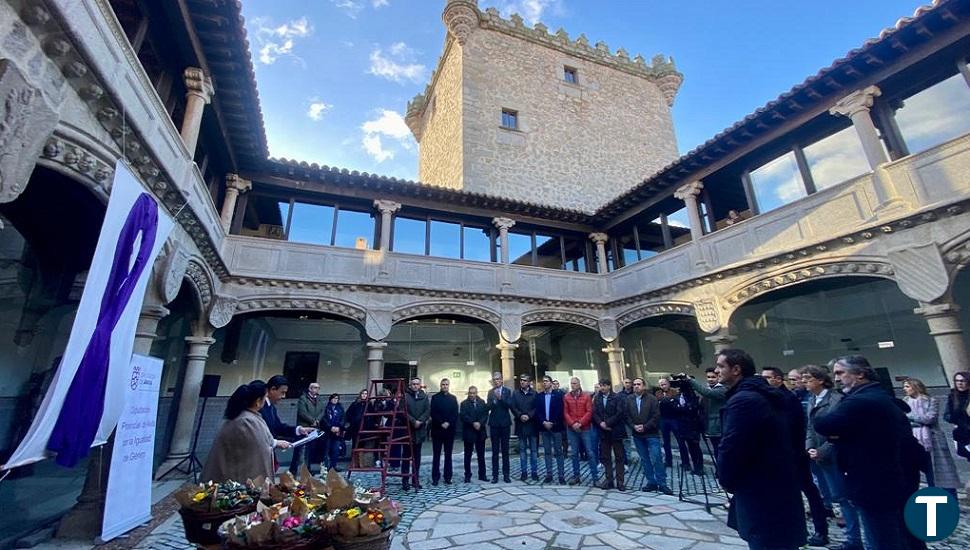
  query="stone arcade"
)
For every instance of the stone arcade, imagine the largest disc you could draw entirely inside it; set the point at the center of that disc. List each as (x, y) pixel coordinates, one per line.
(831, 220)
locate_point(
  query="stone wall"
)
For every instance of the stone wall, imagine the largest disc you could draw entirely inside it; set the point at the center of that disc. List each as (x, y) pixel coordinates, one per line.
(441, 159)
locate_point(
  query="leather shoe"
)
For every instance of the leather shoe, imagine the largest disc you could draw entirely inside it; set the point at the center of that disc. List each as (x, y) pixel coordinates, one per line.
(507, 479)
(447, 482)
(523, 477)
(574, 481)
(547, 479)
(649, 488)
(605, 485)
(468, 480)
(621, 487)
(494, 480)
(666, 490)
(434, 482)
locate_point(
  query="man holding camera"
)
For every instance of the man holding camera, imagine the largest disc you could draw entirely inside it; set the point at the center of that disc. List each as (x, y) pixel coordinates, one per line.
(713, 397)
(686, 409)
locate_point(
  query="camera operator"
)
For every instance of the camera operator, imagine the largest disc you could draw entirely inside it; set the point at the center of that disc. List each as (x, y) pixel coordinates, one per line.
(713, 397)
(687, 411)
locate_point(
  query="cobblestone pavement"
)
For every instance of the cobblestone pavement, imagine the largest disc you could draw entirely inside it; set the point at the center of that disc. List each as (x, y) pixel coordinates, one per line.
(534, 515)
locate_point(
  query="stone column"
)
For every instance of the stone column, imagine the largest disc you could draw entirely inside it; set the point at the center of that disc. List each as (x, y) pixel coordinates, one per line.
(944, 323)
(375, 361)
(196, 356)
(503, 225)
(688, 193)
(614, 356)
(387, 210)
(856, 106)
(600, 240)
(198, 95)
(83, 521)
(721, 340)
(507, 353)
(235, 186)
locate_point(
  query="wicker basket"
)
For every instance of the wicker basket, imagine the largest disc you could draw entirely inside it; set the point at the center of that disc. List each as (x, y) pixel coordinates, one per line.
(316, 542)
(375, 542)
(203, 527)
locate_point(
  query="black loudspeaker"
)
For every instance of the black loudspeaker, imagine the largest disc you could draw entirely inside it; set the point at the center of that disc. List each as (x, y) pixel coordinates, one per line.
(210, 385)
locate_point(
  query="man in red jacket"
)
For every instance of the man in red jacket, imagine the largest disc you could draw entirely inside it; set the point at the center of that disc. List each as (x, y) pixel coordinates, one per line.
(578, 412)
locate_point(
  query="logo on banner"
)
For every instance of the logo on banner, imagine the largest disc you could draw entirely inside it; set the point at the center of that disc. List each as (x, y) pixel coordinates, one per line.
(931, 514)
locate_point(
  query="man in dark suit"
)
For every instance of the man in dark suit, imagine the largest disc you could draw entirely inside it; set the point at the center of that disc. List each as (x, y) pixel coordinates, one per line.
(276, 391)
(444, 418)
(552, 427)
(500, 425)
(643, 418)
(474, 417)
(608, 419)
(523, 408)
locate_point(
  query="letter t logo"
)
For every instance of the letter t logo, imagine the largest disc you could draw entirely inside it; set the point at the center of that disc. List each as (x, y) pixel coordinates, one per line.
(930, 502)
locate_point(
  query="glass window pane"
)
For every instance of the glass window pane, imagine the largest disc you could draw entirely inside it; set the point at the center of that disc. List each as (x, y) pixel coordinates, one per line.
(354, 229)
(936, 114)
(312, 223)
(445, 239)
(679, 225)
(651, 238)
(478, 244)
(408, 235)
(575, 253)
(284, 210)
(777, 183)
(548, 251)
(836, 158)
(520, 248)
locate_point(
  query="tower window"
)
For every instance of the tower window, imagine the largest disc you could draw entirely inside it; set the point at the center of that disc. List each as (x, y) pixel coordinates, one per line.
(569, 75)
(510, 119)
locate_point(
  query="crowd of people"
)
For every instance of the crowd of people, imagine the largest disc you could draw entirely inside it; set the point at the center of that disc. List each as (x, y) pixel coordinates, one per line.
(834, 434)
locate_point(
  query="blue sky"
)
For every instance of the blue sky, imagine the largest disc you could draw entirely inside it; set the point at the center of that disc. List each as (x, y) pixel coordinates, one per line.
(335, 76)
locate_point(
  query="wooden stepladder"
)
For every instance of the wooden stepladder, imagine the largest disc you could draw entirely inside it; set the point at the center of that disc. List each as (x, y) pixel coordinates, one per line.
(385, 432)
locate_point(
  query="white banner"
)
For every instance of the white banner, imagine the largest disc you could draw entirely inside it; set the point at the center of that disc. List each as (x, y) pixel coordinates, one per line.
(125, 191)
(128, 502)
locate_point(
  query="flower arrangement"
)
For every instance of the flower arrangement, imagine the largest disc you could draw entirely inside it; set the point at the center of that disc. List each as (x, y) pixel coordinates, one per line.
(218, 497)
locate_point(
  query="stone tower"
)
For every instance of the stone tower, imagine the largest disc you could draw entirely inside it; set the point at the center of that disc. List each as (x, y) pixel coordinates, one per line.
(518, 112)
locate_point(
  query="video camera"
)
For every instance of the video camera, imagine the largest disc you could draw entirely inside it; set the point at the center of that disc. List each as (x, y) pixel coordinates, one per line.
(680, 381)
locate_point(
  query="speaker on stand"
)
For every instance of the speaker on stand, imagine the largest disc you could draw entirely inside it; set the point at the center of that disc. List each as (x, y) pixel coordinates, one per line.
(191, 464)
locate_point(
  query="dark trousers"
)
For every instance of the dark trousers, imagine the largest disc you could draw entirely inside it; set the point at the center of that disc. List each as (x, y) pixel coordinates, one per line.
(667, 426)
(444, 442)
(815, 504)
(298, 458)
(500, 444)
(333, 450)
(614, 446)
(406, 461)
(881, 528)
(479, 447)
(690, 453)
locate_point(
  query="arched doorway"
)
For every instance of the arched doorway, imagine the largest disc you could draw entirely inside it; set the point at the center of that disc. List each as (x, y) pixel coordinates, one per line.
(562, 350)
(46, 245)
(816, 321)
(659, 346)
(459, 348)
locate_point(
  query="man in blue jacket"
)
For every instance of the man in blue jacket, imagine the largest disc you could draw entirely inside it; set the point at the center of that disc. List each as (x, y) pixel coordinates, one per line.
(275, 392)
(552, 427)
(757, 458)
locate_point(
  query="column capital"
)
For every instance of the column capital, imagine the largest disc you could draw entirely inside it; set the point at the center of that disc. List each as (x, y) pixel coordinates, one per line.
(691, 190)
(599, 238)
(234, 181)
(503, 223)
(506, 346)
(386, 206)
(937, 310)
(856, 102)
(200, 340)
(197, 83)
(154, 312)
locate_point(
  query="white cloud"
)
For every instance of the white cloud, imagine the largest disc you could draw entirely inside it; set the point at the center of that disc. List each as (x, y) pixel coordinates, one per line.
(317, 109)
(274, 42)
(390, 124)
(379, 3)
(397, 65)
(530, 10)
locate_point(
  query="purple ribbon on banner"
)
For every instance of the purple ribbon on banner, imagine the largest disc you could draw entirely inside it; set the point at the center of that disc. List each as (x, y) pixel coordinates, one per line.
(80, 416)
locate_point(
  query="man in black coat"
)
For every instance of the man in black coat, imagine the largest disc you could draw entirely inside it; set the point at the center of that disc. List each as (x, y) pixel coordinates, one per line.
(643, 419)
(552, 427)
(474, 417)
(866, 428)
(609, 419)
(444, 419)
(275, 391)
(756, 458)
(500, 425)
(523, 408)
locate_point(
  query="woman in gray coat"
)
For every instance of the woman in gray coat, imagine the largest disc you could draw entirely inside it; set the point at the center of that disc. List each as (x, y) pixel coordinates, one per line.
(924, 417)
(825, 399)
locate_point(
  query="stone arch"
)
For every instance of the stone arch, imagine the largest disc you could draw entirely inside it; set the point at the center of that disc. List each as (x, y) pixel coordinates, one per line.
(71, 154)
(762, 283)
(956, 254)
(560, 316)
(424, 309)
(644, 311)
(201, 280)
(339, 308)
